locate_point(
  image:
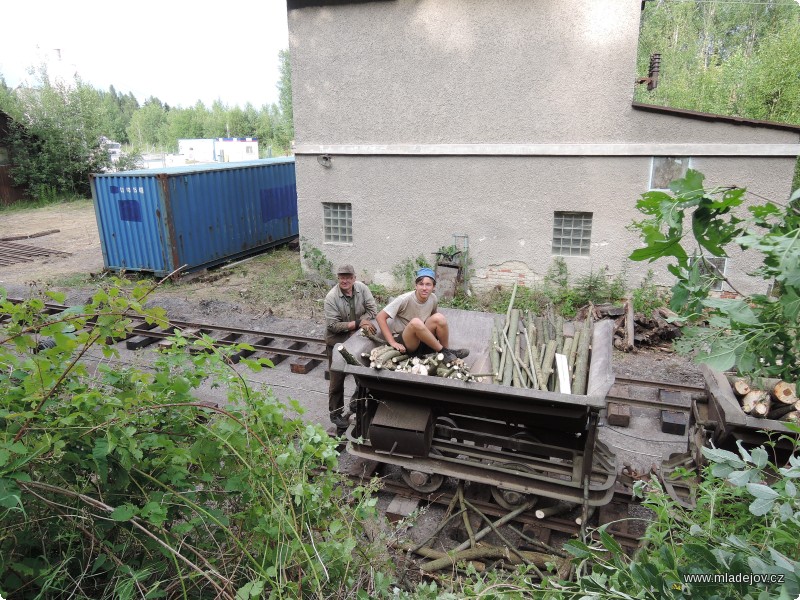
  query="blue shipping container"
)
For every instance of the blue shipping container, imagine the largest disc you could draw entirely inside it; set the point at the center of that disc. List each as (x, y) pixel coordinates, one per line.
(159, 220)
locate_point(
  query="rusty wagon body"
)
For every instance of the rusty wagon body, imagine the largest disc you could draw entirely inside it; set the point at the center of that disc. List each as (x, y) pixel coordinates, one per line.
(519, 441)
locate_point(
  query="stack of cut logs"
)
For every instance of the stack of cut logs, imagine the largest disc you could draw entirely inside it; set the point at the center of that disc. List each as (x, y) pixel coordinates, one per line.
(779, 402)
(639, 329)
(533, 352)
(386, 357)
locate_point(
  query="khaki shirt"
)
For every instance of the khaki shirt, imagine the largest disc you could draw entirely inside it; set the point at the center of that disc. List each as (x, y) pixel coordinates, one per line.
(337, 311)
(406, 307)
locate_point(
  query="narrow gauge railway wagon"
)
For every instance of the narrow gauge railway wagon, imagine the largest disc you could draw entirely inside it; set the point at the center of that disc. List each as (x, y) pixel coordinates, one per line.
(522, 442)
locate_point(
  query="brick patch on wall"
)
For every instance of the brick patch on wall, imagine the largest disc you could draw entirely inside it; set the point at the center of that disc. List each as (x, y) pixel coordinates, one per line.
(504, 275)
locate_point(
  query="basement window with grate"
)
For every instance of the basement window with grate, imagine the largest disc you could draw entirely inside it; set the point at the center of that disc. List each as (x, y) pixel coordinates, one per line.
(572, 233)
(666, 169)
(713, 270)
(337, 222)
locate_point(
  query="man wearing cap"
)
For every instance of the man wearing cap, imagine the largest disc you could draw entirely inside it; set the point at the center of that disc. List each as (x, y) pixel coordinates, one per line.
(416, 325)
(349, 306)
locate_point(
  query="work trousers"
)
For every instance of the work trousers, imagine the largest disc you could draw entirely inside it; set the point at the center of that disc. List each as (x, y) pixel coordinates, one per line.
(335, 388)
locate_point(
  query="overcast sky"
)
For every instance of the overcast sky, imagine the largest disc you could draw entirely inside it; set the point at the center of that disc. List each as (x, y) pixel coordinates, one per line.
(176, 50)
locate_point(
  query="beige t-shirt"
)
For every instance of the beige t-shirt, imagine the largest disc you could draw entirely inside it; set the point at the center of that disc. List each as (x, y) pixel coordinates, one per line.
(406, 306)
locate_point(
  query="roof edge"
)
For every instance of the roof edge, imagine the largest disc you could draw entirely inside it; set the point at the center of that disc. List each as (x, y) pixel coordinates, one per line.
(693, 114)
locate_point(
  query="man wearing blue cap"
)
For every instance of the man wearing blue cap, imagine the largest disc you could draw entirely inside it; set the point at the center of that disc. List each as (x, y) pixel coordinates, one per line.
(417, 327)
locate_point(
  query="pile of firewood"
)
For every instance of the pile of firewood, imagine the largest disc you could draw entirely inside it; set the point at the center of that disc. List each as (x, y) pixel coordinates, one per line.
(779, 402)
(386, 357)
(640, 329)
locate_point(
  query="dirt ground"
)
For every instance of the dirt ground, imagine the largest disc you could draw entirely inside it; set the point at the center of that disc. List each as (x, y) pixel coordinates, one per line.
(221, 296)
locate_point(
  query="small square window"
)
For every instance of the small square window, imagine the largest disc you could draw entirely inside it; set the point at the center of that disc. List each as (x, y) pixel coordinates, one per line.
(337, 222)
(665, 170)
(572, 233)
(713, 270)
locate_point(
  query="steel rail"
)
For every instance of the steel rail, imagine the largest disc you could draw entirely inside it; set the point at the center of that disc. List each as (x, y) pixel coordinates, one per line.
(258, 342)
(664, 385)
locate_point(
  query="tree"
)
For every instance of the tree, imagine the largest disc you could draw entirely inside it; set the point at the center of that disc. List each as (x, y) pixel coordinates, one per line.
(148, 124)
(729, 58)
(283, 117)
(56, 136)
(758, 334)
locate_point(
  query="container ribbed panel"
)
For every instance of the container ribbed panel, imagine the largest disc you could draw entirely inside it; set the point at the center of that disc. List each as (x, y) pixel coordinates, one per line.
(203, 214)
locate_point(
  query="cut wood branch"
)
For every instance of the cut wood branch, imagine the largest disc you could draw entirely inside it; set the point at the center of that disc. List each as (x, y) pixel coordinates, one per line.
(741, 388)
(751, 399)
(785, 393)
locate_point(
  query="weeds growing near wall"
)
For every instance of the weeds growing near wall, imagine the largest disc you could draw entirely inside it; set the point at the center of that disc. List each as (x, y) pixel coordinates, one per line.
(316, 260)
(404, 272)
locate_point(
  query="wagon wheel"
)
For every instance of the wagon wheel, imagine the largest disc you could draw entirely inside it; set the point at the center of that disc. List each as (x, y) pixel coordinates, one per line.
(422, 482)
(511, 499)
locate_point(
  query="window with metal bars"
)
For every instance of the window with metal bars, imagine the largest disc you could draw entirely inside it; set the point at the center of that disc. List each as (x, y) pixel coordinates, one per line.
(666, 169)
(713, 269)
(572, 233)
(337, 222)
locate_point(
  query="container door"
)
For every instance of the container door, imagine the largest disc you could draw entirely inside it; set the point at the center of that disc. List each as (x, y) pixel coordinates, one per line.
(129, 219)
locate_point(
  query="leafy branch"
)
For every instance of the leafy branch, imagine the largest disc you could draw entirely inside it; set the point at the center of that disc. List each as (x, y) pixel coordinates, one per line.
(758, 334)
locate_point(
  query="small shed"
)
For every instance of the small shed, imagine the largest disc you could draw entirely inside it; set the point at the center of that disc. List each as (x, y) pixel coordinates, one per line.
(9, 191)
(194, 216)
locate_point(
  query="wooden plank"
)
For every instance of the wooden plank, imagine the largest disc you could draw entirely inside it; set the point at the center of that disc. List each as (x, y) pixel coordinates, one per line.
(279, 358)
(539, 532)
(361, 467)
(401, 507)
(675, 399)
(138, 342)
(615, 515)
(262, 341)
(301, 366)
(619, 415)
(563, 374)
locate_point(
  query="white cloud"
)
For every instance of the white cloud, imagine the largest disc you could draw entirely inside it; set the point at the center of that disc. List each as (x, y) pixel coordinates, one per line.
(176, 50)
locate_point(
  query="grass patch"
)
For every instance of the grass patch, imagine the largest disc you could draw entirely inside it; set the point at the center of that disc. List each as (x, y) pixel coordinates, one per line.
(73, 280)
(42, 202)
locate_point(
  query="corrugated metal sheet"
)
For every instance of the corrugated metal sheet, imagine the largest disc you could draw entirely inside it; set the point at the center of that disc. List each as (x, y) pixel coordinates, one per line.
(200, 215)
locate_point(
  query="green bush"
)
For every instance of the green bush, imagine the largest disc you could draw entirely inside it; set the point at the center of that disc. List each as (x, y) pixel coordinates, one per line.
(116, 482)
(746, 522)
(316, 260)
(647, 296)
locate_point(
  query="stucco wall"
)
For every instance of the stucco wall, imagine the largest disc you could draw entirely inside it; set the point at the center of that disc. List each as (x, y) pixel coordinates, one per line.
(502, 72)
(406, 206)
(478, 71)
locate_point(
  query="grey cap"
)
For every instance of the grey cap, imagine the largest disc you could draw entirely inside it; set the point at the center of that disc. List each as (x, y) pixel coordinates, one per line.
(346, 270)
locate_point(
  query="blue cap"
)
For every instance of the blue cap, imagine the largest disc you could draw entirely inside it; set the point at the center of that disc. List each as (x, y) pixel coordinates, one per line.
(425, 272)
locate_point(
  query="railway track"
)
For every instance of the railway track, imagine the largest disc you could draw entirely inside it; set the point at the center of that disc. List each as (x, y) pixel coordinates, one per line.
(614, 514)
(306, 352)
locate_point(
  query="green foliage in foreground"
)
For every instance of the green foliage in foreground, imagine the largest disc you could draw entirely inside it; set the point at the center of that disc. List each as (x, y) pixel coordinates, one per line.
(118, 482)
(758, 334)
(746, 525)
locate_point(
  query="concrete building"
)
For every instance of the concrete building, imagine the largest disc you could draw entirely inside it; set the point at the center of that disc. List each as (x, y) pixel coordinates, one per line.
(218, 150)
(510, 122)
